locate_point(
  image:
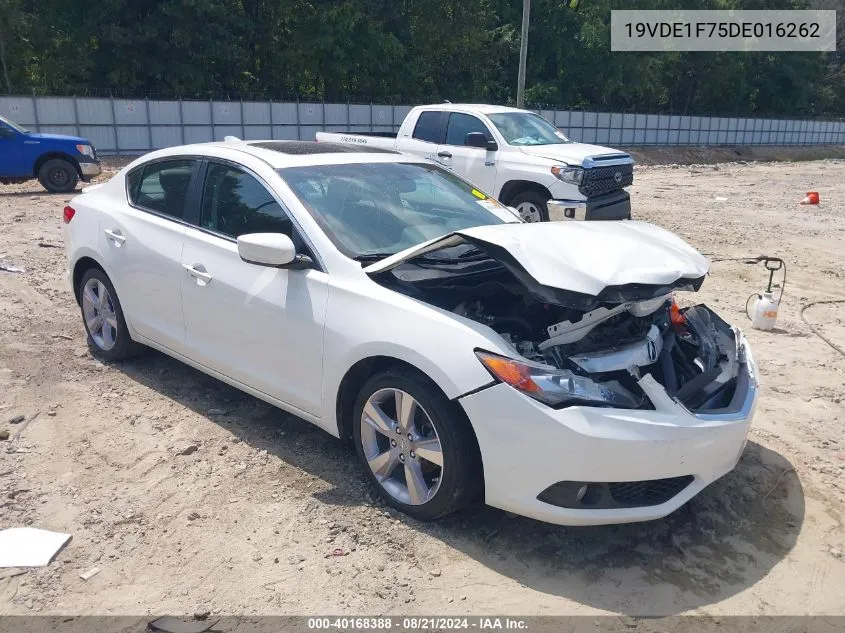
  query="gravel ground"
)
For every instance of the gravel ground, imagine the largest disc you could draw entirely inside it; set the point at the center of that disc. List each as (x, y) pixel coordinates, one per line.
(190, 496)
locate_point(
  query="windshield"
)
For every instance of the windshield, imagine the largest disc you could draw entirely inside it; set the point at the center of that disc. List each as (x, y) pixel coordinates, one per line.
(373, 210)
(527, 128)
(14, 126)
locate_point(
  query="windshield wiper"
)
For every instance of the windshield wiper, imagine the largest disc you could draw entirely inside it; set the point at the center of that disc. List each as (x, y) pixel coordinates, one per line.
(371, 257)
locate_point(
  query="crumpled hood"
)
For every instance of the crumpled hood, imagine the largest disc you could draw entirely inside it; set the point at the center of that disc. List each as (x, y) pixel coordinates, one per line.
(573, 153)
(586, 258)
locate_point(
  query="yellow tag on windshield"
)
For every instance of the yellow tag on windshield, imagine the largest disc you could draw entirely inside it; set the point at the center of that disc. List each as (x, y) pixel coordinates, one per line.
(478, 194)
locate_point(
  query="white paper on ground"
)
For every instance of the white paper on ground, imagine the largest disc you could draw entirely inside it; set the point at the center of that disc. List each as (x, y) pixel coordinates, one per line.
(29, 547)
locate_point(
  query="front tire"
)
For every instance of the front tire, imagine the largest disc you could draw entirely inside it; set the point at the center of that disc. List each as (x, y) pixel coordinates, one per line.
(415, 446)
(58, 176)
(102, 315)
(531, 206)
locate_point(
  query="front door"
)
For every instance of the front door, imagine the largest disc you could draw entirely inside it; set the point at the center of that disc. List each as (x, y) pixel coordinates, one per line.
(11, 152)
(475, 164)
(260, 325)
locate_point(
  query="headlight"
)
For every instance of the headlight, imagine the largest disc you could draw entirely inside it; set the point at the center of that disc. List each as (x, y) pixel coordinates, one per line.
(572, 175)
(556, 387)
(85, 150)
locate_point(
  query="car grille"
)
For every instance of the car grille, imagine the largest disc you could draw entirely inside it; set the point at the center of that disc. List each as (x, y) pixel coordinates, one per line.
(599, 180)
(648, 493)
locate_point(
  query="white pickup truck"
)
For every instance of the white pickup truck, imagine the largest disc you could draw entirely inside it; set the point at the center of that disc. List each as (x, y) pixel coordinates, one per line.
(517, 157)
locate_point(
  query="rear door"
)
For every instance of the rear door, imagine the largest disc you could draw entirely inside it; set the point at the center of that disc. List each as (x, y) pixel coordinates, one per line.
(424, 136)
(476, 164)
(260, 325)
(141, 243)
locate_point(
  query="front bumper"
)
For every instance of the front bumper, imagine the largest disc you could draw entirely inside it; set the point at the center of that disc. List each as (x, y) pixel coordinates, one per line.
(527, 447)
(610, 206)
(89, 169)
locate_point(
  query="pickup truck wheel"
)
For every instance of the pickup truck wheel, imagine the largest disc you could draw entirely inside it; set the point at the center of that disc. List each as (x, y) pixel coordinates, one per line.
(58, 176)
(531, 206)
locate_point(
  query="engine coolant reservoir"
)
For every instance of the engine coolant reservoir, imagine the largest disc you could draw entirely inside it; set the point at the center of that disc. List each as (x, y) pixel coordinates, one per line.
(764, 313)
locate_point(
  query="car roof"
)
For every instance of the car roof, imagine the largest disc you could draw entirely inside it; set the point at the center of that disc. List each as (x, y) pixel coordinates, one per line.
(282, 154)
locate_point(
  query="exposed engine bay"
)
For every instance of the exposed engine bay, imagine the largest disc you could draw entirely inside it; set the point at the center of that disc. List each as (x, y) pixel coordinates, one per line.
(607, 345)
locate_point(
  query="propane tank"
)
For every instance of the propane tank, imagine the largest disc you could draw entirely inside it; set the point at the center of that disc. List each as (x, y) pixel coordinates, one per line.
(764, 314)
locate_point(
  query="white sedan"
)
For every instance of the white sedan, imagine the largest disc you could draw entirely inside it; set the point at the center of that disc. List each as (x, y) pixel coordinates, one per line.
(544, 368)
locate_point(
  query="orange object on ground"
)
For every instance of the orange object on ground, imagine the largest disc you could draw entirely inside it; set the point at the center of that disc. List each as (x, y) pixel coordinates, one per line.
(812, 197)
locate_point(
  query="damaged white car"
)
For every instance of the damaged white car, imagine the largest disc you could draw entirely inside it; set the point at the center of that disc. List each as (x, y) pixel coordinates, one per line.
(543, 368)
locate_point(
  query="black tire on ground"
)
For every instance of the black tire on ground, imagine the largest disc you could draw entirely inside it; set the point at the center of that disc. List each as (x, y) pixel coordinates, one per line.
(124, 347)
(461, 476)
(58, 176)
(532, 199)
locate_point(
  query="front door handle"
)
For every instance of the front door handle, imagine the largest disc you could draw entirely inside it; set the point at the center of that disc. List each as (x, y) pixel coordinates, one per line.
(115, 236)
(199, 275)
(444, 154)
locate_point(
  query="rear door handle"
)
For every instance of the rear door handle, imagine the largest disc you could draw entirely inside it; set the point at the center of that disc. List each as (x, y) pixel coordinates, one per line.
(115, 236)
(201, 275)
(444, 154)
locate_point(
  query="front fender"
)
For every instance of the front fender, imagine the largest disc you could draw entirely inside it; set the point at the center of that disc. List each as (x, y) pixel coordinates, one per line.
(373, 321)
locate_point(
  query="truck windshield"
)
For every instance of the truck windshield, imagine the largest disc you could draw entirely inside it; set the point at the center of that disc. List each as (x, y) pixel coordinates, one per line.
(527, 128)
(14, 126)
(373, 210)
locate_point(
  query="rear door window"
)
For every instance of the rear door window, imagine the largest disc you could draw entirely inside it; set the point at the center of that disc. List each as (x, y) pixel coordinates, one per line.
(162, 186)
(428, 126)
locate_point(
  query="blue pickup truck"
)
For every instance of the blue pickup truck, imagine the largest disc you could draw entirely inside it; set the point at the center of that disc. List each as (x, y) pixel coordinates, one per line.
(59, 162)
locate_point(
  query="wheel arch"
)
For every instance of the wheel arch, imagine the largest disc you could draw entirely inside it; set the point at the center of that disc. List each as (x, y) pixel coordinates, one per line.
(82, 265)
(357, 375)
(58, 155)
(513, 188)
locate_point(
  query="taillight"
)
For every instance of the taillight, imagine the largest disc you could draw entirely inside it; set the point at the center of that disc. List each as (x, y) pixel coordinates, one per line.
(69, 213)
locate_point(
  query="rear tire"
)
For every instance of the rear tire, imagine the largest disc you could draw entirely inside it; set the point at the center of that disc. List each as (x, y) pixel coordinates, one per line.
(102, 316)
(58, 176)
(409, 478)
(531, 206)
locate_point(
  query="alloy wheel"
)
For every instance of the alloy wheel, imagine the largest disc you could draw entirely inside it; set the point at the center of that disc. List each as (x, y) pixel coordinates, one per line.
(99, 314)
(401, 446)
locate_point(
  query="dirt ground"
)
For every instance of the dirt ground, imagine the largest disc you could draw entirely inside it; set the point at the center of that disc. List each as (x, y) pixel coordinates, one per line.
(247, 523)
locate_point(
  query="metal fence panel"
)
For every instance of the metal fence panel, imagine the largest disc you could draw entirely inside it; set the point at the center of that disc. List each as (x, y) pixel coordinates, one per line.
(93, 111)
(138, 125)
(165, 112)
(19, 109)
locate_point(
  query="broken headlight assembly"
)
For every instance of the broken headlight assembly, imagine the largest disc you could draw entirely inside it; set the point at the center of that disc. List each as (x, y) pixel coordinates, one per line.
(557, 387)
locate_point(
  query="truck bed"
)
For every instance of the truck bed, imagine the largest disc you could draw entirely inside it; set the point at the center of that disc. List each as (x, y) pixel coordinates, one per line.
(381, 140)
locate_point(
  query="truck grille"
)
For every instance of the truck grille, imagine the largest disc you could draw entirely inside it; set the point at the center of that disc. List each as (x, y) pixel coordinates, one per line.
(599, 180)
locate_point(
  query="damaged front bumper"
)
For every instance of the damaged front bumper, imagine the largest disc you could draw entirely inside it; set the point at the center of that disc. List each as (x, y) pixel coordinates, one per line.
(592, 465)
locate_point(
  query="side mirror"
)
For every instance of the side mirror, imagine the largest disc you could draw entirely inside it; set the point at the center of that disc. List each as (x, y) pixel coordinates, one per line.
(480, 140)
(5, 132)
(271, 249)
